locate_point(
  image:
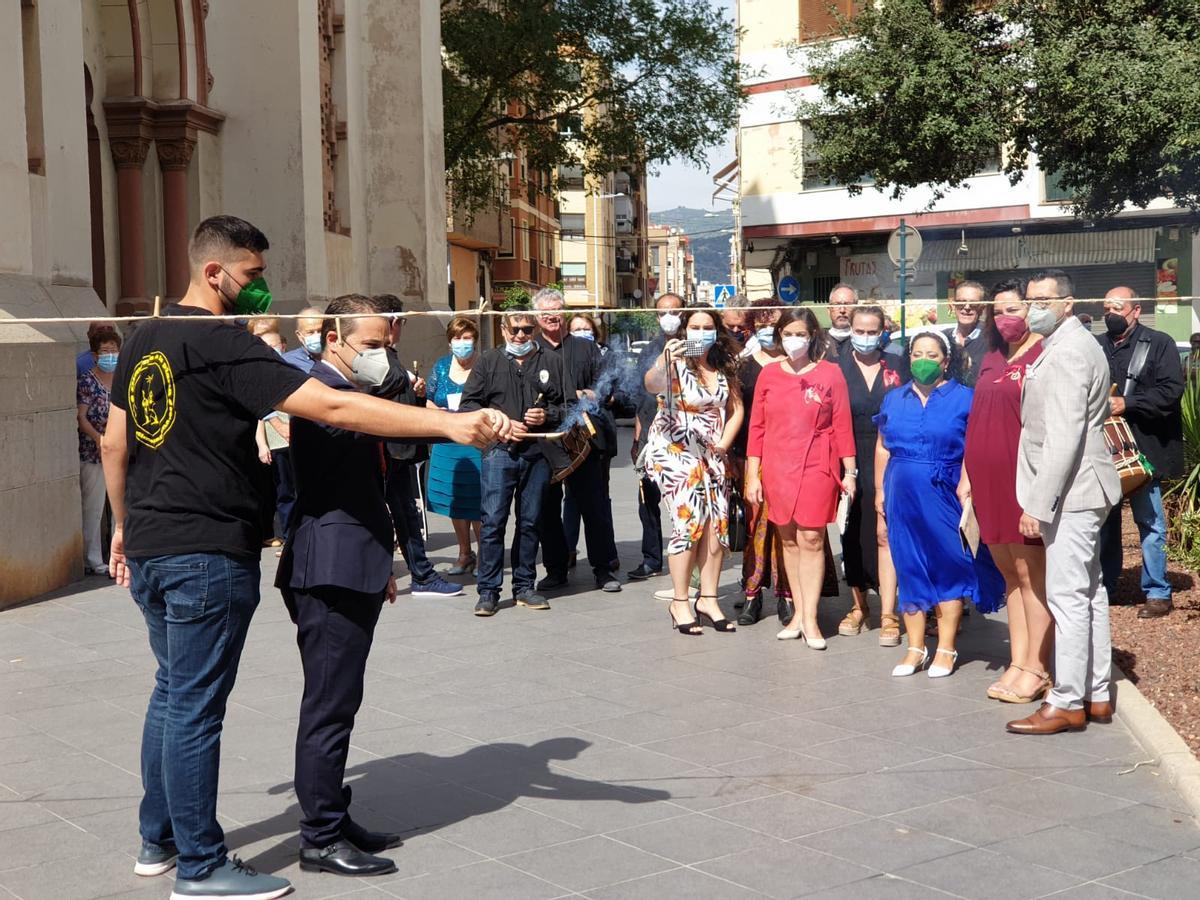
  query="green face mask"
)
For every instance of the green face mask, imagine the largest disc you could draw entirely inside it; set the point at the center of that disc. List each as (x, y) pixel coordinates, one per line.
(926, 371)
(253, 299)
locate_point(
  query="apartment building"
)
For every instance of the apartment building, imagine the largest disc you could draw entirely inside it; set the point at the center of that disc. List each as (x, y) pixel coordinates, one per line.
(672, 266)
(793, 222)
(527, 253)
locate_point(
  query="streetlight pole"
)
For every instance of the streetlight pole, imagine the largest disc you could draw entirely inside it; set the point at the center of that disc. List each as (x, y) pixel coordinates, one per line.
(596, 198)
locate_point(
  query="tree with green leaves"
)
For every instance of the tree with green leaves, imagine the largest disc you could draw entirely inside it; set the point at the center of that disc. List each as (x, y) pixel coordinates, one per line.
(924, 92)
(591, 83)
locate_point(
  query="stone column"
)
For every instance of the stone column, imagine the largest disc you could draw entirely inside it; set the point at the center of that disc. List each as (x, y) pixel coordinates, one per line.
(129, 154)
(174, 156)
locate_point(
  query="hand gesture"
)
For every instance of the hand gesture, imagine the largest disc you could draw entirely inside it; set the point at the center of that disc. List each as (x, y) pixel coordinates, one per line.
(674, 347)
(117, 569)
(1116, 406)
(535, 416)
(481, 428)
(419, 387)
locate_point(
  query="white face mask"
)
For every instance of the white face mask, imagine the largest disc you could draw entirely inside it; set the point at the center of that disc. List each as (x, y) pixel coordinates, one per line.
(794, 345)
(370, 367)
(669, 323)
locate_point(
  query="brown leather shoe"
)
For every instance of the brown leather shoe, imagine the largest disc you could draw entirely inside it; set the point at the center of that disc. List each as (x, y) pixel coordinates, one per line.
(1098, 711)
(1155, 609)
(1050, 720)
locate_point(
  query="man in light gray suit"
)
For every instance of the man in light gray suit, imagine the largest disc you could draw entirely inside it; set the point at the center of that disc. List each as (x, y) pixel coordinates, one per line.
(1066, 484)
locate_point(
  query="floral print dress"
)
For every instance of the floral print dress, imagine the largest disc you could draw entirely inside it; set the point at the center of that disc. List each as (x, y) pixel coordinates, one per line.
(680, 459)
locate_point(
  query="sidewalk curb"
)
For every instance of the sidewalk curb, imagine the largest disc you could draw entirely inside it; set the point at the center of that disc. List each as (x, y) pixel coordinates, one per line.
(1172, 756)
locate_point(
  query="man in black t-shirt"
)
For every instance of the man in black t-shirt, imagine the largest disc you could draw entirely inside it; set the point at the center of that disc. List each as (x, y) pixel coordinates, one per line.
(177, 455)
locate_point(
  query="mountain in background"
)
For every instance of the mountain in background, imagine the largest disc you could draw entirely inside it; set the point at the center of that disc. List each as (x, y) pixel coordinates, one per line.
(709, 232)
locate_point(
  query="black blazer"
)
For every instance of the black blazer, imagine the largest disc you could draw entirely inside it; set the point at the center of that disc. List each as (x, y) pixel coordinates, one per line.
(1153, 406)
(339, 533)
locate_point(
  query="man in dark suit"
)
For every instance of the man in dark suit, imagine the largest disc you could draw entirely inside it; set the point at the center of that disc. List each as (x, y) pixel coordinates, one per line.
(335, 574)
(1150, 403)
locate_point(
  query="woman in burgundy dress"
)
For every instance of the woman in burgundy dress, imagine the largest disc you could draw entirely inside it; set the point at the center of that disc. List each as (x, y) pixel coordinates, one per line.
(989, 478)
(800, 458)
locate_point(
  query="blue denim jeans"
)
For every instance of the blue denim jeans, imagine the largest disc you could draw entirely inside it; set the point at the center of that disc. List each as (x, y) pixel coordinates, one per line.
(197, 608)
(1146, 506)
(506, 477)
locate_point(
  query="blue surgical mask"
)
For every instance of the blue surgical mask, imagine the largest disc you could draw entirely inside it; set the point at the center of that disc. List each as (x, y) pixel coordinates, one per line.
(312, 343)
(766, 337)
(462, 348)
(705, 337)
(518, 349)
(586, 335)
(865, 343)
(107, 362)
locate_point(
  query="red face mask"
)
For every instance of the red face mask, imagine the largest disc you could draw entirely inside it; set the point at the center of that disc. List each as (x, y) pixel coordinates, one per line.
(1012, 328)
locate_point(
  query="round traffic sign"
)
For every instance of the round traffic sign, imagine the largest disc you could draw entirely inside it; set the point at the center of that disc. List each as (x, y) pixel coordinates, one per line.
(912, 245)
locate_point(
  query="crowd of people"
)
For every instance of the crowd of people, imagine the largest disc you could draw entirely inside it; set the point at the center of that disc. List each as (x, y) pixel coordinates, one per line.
(961, 465)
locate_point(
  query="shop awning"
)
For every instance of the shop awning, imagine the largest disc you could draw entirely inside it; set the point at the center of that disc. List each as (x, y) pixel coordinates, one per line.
(1036, 251)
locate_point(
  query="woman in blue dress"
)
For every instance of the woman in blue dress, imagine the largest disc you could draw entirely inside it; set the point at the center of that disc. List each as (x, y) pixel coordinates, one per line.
(453, 488)
(918, 465)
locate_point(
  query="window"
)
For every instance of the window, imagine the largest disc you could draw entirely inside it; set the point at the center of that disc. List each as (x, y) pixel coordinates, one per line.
(1054, 192)
(818, 19)
(813, 179)
(574, 275)
(572, 226)
(524, 241)
(508, 241)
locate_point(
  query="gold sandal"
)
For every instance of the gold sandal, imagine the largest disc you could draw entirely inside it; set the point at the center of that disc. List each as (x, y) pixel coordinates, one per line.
(889, 630)
(856, 622)
(998, 691)
(1039, 692)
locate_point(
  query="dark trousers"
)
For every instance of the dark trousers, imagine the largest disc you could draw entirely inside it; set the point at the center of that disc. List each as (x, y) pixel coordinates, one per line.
(334, 628)
(649, 500)
(406, 519)
(285, 485)
(588, 487)
(506, 476)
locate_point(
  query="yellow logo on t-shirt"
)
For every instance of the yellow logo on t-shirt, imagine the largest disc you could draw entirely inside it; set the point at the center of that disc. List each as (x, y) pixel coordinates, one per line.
(151, 399)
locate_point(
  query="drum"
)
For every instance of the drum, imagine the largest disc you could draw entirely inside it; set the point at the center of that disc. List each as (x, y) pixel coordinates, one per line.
(1135, 470)
(567, 450)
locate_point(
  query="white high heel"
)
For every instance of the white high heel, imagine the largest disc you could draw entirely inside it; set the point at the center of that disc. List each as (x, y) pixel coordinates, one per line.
(943, 671)
(904, 669)
(792, 634)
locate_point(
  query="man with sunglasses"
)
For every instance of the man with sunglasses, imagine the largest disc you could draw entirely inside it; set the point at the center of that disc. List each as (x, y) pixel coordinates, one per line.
(527, 383)
(967, 331)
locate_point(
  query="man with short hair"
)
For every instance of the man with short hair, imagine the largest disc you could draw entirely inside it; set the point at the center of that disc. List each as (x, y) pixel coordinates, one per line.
(842, 300)
(528, 384)
(178, 455)
(1145, 369)
(967, 332)
(1066, 484)
(308, 333)
(588, 484)
(649, 497)
(335, 574)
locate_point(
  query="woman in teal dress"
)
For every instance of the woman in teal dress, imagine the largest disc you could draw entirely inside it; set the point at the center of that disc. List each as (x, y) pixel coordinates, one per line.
(453, 486)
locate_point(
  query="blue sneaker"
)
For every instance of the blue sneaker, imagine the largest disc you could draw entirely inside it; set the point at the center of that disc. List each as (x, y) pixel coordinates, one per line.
(437, 586)
(155, 859)
(232, 880)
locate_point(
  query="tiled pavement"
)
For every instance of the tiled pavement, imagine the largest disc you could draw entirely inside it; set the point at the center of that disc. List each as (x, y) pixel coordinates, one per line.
(590, 751)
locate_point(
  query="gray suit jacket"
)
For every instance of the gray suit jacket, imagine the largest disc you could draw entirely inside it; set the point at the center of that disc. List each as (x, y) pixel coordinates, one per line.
(1062, 462)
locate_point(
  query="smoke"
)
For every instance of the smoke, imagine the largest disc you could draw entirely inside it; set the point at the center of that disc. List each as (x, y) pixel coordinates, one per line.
(619, 379)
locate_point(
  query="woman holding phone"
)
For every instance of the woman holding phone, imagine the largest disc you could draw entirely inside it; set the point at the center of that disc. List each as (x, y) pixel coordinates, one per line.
(699, 414)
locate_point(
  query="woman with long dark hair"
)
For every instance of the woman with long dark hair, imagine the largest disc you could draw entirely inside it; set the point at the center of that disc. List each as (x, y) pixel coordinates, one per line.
(699, 414)
(800, 458)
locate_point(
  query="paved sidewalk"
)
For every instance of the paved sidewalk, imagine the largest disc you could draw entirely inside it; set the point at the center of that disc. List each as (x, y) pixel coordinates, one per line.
(591, 751)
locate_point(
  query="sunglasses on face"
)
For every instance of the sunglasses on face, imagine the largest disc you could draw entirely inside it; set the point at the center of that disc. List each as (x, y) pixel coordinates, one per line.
(521, 329)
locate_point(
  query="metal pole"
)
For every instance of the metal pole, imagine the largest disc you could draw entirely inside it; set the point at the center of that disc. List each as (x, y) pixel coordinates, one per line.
(903, 273)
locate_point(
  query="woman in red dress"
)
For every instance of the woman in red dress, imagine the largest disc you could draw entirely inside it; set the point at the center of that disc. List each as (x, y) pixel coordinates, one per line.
(989, 479)
(800, 457)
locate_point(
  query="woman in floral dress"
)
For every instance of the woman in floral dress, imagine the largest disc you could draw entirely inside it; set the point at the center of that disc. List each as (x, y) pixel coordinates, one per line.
(699, 414)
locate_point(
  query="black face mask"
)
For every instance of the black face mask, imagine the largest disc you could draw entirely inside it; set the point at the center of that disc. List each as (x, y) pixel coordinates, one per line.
(1116, 324)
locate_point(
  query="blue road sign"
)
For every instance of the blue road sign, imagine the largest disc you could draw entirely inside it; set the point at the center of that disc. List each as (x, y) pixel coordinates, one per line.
(789, 289)
(722, 293)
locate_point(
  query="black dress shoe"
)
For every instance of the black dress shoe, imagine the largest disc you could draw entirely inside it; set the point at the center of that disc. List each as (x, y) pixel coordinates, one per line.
(369, 841)
(785, 609)
(551, 581)
(1155, 609)
(608, 583)
(643, 571)
(751, 611)
(343, 858)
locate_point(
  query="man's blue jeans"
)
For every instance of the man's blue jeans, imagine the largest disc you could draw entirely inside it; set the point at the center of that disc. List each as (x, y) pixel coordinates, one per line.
(504, 477)
(197, 608)
(1147, 508)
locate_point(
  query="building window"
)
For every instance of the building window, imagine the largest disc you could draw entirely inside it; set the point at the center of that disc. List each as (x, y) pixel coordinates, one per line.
(574, 275)
(571, 226)
(524, 241)
(1053, 190)
(818, 18)
(32, 65)
(508, 240)
(335, 171)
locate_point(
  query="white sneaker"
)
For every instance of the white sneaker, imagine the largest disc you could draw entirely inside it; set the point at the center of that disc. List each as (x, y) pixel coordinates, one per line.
(904, 669)
(669, 594)
(943, 671)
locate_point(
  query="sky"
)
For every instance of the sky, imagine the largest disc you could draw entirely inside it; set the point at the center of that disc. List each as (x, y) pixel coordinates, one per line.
(678, 183)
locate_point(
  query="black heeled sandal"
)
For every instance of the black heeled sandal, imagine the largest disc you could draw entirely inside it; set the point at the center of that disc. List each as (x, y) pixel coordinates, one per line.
(686, 627)
(704, 618)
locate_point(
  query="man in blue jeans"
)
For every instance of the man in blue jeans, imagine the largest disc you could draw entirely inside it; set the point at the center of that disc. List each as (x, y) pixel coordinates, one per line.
(1148, 376)
(526, 383)
(178, 455)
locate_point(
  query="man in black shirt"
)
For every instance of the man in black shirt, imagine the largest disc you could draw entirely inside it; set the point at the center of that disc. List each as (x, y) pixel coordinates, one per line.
(588, 484)
(527, 384)
(968, 306)
(842, 300)
(178, 456)
(649, 497)
(1151, 407)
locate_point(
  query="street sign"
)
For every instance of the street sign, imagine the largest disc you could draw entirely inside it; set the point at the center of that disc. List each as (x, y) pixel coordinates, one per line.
(722, 293)
(789, 289)
(912, 245)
